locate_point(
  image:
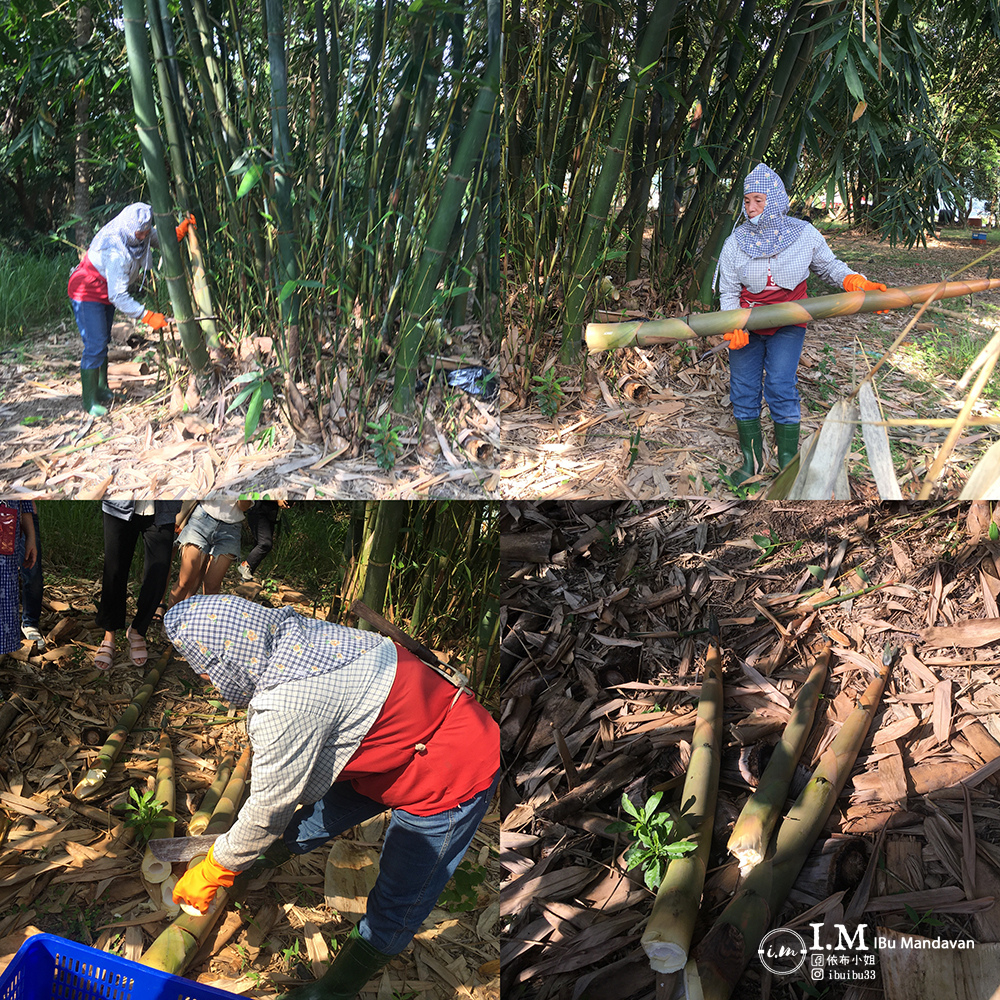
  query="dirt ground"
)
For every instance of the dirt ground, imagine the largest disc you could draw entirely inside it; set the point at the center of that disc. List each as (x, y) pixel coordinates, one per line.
(609, 604)
(72, 867)
(172, 435)
(656, 422)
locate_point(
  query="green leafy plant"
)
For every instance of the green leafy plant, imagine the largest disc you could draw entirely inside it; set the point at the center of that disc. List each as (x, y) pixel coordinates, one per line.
(657, 842)
(145, 812)
(292, 955)
(258, 389)
(384, 439)
(463, 896)
(548, 391)
(922, 919)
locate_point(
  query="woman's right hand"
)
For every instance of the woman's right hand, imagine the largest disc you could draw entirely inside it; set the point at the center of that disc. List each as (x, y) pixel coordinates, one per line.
(737, 339)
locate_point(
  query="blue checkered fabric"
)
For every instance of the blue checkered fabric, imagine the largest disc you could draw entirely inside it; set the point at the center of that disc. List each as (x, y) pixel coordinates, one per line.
(244, 647)
(790, 267)
(315, 689)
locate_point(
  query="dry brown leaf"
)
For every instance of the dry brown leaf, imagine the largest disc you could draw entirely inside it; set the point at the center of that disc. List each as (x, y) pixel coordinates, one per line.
(968, 634)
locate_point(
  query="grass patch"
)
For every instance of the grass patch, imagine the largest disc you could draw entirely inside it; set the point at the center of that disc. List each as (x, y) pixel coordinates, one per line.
(34, 291)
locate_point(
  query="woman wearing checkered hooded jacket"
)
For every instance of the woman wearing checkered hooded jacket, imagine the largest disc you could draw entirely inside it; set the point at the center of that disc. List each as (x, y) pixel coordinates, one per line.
(767, 259)
(344, 724)
(112, 269)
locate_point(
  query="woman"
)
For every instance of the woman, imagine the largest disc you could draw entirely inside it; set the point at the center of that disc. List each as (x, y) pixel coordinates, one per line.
(17, 549)
(343, 724)
(113, 266)
(263, 524)
(767, 259)
(209, 542)
(124, 522)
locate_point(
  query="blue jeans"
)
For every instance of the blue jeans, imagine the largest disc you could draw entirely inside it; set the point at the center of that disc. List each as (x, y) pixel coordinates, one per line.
(217, 538)
(31, 582)
(769, 363)
(94, 320)
(419, 855)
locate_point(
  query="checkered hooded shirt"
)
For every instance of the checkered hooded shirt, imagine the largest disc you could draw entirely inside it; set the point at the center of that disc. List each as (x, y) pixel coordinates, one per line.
(775, 231)
(314, 689)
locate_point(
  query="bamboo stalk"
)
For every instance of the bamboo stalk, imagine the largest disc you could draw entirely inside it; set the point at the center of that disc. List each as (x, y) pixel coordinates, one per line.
(722, 955)
(229, 804)
(200, 819)
(760, 815)
(95, 776)
(153, 868)
(611, 336)
(667, 937)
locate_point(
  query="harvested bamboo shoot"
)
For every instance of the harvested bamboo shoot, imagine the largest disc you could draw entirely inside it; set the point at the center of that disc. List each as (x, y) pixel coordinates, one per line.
(173, 950)
(94, 778)
(668, 933)
(722, 955)
(229, 804)
(200, 819)
(153, 868)
(760, 815)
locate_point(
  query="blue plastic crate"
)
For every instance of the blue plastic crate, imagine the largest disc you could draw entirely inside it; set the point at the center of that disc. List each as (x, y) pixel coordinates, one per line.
(47, 967)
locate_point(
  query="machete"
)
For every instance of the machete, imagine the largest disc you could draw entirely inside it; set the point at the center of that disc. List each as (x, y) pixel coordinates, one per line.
(182, 848)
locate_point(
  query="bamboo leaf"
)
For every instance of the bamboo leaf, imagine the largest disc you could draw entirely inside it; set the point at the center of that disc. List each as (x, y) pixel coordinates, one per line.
(852, 79)
(251, 179)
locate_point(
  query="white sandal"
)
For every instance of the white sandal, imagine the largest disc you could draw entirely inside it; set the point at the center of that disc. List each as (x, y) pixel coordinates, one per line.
(105, 655)
(137, 651)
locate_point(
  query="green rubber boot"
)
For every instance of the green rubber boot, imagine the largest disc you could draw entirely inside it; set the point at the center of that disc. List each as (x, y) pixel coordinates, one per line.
(786, 436)
(752, 446)
(104, 393)
(91, 405)
(356, 962)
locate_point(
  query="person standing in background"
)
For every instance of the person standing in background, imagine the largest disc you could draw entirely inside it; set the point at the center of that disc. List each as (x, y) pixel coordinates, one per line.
(31, 593)
(17, 549)
(262, 519)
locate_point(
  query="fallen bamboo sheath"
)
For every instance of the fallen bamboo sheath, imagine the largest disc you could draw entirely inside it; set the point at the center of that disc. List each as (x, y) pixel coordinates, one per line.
(723, 954)
(612, 336)
(762, 811)
(94, 778)
(200, 819)
(667, 937)
(153, 868)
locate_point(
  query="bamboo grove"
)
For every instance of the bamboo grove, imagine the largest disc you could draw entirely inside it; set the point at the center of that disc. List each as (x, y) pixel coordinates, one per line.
(611, 109)
(341, 160)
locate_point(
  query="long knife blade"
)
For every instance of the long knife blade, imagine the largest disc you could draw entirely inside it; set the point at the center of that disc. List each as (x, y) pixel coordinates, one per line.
(181, 848)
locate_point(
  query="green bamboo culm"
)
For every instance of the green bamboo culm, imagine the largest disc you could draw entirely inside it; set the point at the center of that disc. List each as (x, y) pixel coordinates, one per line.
(95, 776)
(200, 819)
(592, 240)
(420, 296)
(762, 811)
(612, 336)
(229, 803)
(156, 176)
(667, 937)
(153, 868)
(720, 958)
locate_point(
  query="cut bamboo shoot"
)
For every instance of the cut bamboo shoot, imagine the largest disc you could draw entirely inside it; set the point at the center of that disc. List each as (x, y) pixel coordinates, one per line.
(153, 868)
(723, 954)
(94, 778)
(671, 924)
(199, 821)
(760, 815)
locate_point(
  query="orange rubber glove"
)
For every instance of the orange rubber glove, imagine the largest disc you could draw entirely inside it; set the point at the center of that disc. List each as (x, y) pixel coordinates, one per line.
(156, 320)
(197, 886)
(737, 339)
(859, 283)
(183, 227)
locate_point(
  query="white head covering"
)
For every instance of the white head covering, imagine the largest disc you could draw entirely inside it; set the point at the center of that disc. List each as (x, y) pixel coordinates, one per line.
(775, 231)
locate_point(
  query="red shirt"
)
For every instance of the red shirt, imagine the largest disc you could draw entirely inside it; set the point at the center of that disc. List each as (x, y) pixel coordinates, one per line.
(86, 283)
(772, 293)
(425, 754)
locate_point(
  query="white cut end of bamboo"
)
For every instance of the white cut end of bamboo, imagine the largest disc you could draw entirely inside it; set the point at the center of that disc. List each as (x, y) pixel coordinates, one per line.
(153, 869)
(747, 857)
(91, 781)
(191, 911)
(197, 825)
(665, 956)
(167, 895)
(692, 982)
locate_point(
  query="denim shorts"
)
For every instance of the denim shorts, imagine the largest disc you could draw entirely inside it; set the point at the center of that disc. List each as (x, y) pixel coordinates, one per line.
(217, 538)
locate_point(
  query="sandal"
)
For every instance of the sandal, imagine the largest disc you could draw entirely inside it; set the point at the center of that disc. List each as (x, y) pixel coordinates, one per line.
(136, 647)
(161, 610)
(105, 655)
